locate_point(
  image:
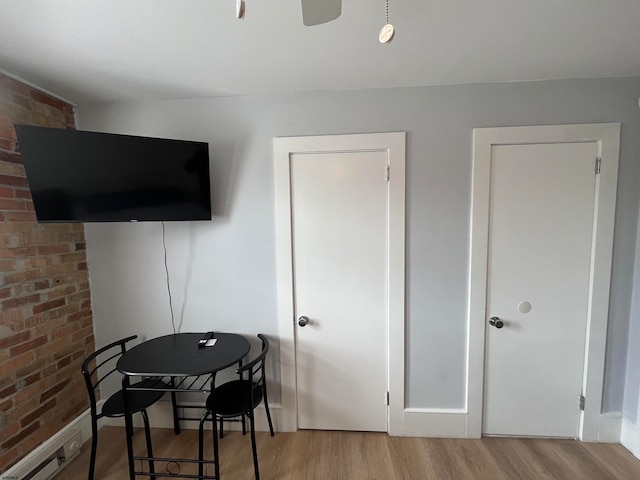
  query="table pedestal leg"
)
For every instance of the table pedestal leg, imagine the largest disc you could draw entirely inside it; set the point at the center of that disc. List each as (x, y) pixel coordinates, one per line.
(214, 428)
(176, 421)
(128, 427)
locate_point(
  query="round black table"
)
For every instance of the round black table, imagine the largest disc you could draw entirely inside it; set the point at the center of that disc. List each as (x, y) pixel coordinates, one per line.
(176, 356)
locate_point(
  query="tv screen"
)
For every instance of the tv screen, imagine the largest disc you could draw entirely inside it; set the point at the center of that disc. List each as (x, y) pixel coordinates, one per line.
(79, 176)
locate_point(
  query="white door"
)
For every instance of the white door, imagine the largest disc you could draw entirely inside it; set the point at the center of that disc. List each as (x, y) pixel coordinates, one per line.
(339, 229)
(541, 223)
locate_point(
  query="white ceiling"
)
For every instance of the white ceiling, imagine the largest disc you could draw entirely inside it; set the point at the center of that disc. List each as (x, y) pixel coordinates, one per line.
(122, 50)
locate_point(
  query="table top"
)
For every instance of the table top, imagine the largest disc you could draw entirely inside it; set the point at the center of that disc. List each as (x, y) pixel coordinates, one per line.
(179, 355)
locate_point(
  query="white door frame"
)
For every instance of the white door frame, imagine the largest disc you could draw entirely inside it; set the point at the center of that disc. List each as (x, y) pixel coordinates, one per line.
(607, 135)
(283, 149)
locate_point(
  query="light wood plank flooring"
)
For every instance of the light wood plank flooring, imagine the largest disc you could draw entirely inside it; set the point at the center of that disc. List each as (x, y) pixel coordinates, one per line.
(319, 455)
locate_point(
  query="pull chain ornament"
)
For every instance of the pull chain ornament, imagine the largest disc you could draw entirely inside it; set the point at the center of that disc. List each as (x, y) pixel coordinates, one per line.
(387, 31)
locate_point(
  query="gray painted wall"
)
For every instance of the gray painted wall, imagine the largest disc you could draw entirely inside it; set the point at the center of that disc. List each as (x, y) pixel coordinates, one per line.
(223, 272)
(631, 404)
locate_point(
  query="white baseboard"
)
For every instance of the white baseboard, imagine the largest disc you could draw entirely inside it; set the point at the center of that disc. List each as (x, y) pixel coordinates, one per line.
(439, 423)
(610, 428)
(452, 423)
(81, 423)
(630, 436)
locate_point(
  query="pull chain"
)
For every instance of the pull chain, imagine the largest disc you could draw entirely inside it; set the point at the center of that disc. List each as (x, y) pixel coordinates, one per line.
(387, 31)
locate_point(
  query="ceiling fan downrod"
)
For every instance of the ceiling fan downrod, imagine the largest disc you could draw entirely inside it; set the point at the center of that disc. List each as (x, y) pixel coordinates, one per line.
(316, 12)
(240, 9)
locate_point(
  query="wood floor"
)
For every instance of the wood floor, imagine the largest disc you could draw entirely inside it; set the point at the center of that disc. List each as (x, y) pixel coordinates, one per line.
(318, 455)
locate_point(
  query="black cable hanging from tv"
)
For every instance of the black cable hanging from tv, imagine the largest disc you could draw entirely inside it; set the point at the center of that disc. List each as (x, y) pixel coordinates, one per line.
(166, 269)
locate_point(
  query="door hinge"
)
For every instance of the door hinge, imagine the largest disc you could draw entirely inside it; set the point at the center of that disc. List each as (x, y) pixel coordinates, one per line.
(581, 402)
(387, 174)
(598, 165)
(387, 398)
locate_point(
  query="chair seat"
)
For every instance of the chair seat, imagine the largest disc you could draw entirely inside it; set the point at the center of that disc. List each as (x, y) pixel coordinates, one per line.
(138, 400)
(233, 398)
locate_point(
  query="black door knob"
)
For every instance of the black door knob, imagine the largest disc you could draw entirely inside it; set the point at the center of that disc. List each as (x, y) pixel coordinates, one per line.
(302, 321)
(496, 322)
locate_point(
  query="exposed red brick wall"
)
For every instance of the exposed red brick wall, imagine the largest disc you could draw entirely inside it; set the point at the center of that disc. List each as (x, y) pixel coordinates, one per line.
(46, 322)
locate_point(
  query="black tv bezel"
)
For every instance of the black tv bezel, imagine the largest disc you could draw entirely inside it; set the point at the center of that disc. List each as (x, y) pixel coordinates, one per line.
(154, 213)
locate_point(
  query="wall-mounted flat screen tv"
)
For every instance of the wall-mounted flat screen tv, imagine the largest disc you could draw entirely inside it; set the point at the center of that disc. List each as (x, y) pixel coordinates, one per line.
(80, 176)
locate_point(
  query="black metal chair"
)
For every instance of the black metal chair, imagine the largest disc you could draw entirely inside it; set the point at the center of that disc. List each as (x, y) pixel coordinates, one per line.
(239, 398)
(105, 359)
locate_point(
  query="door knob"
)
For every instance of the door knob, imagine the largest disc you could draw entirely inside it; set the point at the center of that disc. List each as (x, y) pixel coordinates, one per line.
(302, 321)
(496, 322)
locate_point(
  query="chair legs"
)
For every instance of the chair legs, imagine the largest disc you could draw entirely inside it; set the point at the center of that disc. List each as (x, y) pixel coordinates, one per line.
(253, 445)
(266, 407)
(201, 446)
(201, 442)
(244, 425)
(94, 445)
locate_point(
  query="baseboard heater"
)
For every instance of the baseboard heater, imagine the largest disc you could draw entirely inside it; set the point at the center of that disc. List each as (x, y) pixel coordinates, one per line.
(46, 462)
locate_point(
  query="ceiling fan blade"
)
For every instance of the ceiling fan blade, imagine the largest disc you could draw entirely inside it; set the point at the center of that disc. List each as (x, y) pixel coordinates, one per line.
(315, 12)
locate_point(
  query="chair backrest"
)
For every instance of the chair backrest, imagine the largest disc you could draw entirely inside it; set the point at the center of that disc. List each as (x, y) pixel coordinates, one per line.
(255, 369)
(104, 359)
